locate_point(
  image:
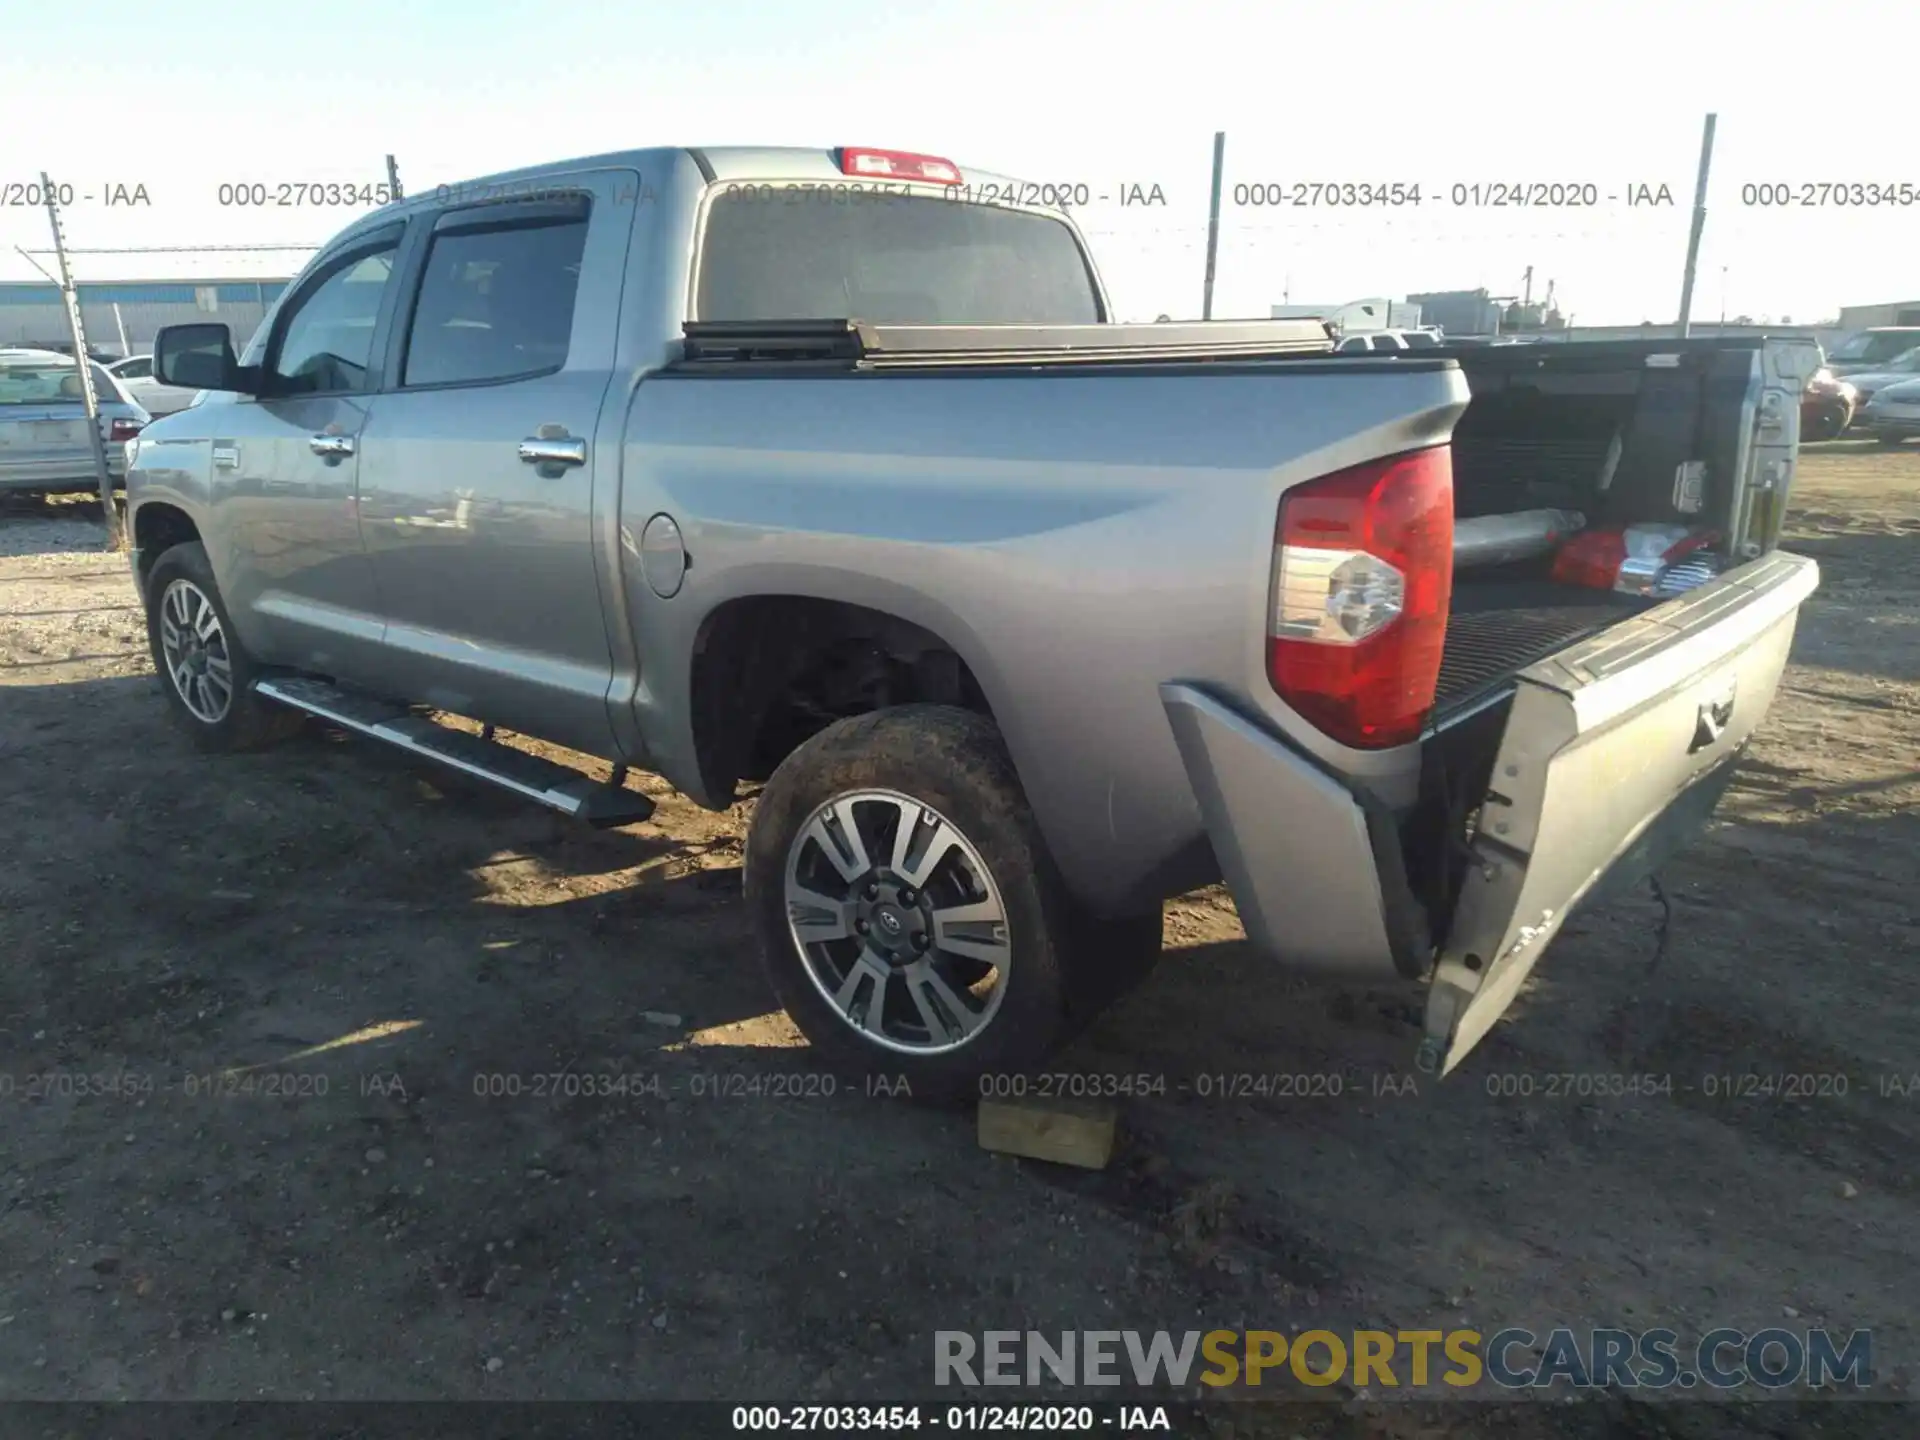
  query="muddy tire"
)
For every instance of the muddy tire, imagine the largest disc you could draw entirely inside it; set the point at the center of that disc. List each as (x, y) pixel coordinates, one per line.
(909, 916)
(204, 671)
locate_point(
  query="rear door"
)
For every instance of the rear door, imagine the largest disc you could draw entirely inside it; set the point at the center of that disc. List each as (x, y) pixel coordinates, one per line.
(1614, 754)
(479, 464)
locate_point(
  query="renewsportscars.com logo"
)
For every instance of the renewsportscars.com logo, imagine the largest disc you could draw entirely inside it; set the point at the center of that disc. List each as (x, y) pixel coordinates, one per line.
(1510, 1359)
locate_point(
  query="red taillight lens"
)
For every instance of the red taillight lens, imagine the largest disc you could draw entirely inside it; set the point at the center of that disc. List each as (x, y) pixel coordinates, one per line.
(898, 165)
(1362, 578)
(123, 430)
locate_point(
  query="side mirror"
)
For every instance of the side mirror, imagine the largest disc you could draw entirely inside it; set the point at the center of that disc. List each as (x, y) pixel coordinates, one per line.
(198, 357)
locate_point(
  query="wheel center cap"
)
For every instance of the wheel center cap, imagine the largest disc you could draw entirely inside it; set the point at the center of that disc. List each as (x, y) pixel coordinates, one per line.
(892, 924)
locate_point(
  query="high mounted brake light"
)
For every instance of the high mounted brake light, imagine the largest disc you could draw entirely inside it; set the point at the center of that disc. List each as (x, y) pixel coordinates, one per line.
(898, 165)
(1362, 582)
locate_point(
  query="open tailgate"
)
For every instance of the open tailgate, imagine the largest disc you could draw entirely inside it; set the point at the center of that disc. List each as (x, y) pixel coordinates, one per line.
(1614, 753)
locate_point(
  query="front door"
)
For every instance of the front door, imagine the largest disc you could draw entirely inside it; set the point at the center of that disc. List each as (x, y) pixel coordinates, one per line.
(284, 465)
(478, 463)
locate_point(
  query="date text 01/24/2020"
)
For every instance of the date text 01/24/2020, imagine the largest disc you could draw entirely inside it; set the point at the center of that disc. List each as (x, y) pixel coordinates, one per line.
(1465, 195)
(1062, 1419)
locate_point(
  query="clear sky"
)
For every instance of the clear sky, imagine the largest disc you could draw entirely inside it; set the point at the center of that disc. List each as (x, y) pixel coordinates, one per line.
(180, 96)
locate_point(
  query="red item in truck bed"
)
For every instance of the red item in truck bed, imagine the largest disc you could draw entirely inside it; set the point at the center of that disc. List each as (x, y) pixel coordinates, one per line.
(1592, 558)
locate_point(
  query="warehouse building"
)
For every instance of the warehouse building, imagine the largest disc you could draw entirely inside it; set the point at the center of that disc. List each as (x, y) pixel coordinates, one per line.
(1867, 317)
(122, 317)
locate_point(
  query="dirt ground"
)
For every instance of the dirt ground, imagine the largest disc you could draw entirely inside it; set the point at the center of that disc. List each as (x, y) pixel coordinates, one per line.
(387, 941)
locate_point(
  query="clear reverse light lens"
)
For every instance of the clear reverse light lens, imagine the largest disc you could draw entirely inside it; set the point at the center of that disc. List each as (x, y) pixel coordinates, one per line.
(1335, 597)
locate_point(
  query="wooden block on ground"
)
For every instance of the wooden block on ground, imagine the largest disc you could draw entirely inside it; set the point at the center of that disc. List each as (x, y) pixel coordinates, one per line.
(1067, 1132)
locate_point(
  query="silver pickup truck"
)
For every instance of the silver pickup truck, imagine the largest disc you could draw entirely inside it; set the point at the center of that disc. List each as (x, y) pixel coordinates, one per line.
(828, 470)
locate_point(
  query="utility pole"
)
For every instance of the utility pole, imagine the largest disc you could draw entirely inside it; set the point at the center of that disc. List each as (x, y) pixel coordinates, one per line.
(83, 364)
(393, 179)
(1213, 221)
(1699, 224)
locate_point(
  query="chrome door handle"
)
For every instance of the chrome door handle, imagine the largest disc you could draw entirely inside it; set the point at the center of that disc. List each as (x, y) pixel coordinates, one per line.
(553, 452)
(333, 447)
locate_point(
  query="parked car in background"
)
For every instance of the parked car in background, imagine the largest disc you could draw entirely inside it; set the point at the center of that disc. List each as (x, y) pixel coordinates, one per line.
(1902, 367)
(1378, 341)
(1893, 414)
(1870, 349)
(135, 373)
(1827, 407)
(64, 346)
(43, 423)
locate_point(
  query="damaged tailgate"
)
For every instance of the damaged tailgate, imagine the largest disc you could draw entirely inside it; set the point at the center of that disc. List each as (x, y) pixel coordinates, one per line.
(1614, 753)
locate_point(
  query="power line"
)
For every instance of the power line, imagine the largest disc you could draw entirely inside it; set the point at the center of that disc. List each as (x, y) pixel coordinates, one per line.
(171, 249)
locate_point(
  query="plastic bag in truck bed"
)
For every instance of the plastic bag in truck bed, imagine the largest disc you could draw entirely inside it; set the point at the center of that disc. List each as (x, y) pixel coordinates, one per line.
(1638, 559)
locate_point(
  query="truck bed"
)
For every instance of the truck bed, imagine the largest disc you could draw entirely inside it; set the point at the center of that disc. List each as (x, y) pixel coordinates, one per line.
(1498, 627)
(1599, 428)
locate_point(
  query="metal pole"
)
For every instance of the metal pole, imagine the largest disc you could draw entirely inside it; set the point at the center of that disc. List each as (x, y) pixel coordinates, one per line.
(120, 324)
(393, 178)
(1213, 221)
(83, 364)
(1699, 224)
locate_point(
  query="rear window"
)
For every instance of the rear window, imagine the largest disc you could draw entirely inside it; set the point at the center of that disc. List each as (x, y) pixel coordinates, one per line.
(1880, 345)
(897, 259)
(1421, 340)
(45, 382)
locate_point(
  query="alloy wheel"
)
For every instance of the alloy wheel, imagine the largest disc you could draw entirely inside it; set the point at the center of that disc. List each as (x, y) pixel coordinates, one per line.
(194, 645)
(898, 920)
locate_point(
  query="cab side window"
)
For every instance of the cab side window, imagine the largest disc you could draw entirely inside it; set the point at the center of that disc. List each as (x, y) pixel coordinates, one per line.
(497, 295)
(326, 338)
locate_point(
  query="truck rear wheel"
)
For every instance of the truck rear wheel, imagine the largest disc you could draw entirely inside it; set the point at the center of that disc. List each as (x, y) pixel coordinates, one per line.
(205, 671)
(909, 916)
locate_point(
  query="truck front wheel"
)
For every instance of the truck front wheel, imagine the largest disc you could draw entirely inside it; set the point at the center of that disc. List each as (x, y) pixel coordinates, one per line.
(205, 672)
(909, 916)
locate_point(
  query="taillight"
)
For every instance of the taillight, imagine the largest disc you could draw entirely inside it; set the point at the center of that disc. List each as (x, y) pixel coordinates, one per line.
(122, 429)
(1362, 578)
(898, 165)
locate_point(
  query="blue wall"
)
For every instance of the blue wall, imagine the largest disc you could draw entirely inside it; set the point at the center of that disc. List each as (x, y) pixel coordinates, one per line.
(16, 293)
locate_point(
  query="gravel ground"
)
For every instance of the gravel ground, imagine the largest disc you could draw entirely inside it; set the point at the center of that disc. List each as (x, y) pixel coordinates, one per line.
(388, 942)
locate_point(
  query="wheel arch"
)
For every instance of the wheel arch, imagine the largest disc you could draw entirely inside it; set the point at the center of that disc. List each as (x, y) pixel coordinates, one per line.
(157, 526)
(769, 670)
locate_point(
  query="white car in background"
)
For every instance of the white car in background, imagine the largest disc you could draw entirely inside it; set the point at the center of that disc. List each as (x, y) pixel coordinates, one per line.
(1380, 341)
(135, 373)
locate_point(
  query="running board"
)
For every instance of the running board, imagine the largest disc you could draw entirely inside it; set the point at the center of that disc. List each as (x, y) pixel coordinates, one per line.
(557, 786)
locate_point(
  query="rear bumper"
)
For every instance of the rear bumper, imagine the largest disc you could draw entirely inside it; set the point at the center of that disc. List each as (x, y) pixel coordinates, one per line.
(1611, 754)
(58, 475)
(1315, 869)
